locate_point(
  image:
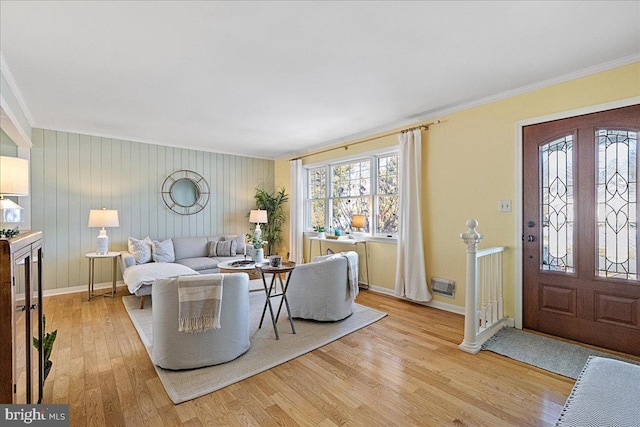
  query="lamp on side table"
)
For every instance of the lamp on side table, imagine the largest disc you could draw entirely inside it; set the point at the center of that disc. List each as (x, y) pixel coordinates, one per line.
(103, 218)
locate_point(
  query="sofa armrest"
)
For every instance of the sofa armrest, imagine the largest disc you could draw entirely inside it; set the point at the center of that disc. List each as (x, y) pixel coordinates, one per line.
(126, 260)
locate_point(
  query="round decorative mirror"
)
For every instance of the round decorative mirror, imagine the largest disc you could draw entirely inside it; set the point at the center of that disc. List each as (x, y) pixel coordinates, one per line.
(185, 192)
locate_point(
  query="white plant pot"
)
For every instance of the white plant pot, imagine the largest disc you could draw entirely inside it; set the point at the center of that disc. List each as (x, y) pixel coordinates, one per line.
(258, 255)
(322, 235)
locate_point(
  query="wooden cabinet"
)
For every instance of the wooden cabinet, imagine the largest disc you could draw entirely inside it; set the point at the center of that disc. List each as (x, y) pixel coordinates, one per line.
(21, 365)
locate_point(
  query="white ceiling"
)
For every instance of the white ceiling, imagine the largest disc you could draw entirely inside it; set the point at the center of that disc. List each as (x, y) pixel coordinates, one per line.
(270, 79)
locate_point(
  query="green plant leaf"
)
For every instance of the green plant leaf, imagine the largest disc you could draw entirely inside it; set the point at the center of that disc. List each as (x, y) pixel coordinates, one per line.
(47, 340)
(273, 203)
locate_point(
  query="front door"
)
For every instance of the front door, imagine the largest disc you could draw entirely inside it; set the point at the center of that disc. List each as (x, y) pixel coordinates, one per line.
(581, 268)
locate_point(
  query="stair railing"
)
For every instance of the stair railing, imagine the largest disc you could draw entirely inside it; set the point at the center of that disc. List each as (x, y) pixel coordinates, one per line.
(484, 303)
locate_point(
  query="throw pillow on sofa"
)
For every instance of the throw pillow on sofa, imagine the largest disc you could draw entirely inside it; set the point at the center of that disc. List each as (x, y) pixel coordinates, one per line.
(222, 248)
(163, 251)
(240, 244)
(140, 249)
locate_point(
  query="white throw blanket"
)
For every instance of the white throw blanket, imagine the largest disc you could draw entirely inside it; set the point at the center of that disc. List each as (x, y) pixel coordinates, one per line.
(352, 272)
(136, 276)
(200, 302)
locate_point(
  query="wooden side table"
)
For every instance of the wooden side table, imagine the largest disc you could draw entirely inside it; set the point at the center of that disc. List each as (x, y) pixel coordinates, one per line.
(92, 258)
(278, 272)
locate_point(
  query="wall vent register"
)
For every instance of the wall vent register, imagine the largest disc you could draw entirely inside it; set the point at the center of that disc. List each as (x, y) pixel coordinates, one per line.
(443, 287)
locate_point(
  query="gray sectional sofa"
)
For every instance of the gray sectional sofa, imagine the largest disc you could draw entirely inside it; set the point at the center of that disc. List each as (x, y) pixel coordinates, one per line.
(191, 256)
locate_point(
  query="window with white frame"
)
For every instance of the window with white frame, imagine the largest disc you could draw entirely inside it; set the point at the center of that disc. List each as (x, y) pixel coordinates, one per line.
(364, 185)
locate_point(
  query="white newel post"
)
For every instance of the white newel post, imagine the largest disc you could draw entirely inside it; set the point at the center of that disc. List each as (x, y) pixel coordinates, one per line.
(471, 239)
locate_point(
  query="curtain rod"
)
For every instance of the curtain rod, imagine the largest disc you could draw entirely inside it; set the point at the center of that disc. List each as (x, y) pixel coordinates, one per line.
(346, 146)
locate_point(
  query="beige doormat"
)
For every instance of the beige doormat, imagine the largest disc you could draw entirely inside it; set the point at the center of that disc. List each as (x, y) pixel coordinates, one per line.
(265, 352)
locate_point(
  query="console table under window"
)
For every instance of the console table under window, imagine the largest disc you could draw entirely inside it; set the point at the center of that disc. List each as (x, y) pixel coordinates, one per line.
(346, 242)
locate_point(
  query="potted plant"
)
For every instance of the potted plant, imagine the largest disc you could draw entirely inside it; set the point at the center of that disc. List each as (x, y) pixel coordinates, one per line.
(258, 251)
(47, 346)
(320, 230)
(9, 233)
(273, 203)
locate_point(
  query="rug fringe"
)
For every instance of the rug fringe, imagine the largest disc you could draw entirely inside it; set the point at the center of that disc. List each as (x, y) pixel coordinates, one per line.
(493, 338)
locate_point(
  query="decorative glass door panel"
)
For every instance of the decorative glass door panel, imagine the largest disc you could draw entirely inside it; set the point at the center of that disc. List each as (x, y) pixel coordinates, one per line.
(616, 188)
(556, 204)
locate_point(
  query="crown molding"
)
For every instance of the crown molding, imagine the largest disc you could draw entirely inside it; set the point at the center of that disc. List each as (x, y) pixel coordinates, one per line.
(8, 75)
(431, 115)
(11, 126)
(150, 142)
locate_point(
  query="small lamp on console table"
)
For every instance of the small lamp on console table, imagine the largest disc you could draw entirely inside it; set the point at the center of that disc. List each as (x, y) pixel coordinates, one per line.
(103, 218)
(358, 222)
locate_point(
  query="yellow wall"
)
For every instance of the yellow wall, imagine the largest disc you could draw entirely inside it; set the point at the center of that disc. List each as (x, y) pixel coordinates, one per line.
(469, 165)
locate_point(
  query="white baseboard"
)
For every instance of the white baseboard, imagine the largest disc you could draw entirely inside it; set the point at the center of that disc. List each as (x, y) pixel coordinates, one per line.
(75, 289)
(434, 304)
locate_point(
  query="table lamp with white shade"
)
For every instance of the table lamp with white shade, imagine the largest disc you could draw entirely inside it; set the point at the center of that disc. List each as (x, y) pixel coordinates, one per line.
(258, 217)
(14, 180)
(103, 218)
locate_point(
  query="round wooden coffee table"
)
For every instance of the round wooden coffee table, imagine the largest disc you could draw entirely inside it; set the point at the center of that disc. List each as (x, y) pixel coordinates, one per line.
(240, 266)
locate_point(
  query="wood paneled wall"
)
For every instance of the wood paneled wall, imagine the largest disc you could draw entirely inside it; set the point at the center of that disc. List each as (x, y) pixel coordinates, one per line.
(72, 174)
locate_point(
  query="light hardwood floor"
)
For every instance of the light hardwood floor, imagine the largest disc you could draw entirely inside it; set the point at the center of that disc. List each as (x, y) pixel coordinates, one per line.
(403, 370)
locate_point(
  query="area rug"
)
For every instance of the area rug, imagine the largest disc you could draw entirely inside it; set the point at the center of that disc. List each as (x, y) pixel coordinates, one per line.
(266, 352)
(605, 394)
(552, 355)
